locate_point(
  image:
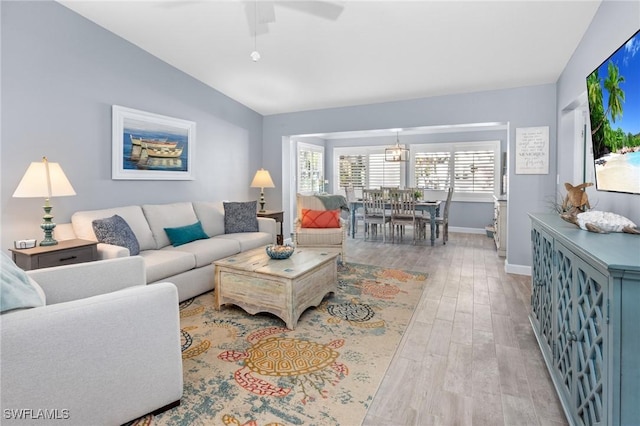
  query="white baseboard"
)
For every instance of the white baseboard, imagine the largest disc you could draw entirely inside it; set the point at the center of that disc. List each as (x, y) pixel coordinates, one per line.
(467, 230)
(517, 269)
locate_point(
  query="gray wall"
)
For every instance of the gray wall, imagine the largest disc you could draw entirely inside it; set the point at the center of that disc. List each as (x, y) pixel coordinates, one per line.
(612, 25)
(60, 76)
(521, 107)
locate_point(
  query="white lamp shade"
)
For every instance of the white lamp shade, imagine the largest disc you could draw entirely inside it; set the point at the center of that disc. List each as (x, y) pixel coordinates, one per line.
(262, 179)
(44, 179)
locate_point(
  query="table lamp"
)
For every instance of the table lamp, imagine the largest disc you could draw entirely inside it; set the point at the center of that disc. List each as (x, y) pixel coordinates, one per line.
(47, 180)
(262, 180)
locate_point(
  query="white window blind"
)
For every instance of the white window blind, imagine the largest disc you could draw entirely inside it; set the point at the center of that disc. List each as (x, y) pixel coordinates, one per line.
(472, 168)
(474, 172)
(365, 167)
(431, 170)
(383, 173)
(310, 168)
(353, 170)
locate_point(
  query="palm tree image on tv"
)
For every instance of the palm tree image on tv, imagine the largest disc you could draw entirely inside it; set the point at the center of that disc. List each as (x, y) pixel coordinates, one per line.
(613, 92)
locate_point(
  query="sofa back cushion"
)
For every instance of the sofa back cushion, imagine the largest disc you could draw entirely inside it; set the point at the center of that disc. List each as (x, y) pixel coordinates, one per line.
(82, 222)
(211, 216)
(162, 216)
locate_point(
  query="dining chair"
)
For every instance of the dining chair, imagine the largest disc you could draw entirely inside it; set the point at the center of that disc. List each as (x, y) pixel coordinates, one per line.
(443, 219)
(403, 213)
(375, 214)
(350, 193)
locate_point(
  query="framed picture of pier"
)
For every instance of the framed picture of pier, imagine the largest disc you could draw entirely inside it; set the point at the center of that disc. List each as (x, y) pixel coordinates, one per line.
(147, 146)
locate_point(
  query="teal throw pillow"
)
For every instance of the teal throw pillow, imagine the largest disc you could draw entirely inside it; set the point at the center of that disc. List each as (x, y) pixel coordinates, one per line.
(185, 234)
(116, 231)
(16, 289)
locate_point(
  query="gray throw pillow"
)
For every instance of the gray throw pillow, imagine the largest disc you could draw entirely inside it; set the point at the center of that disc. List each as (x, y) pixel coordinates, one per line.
(240, 217)
(116, 231)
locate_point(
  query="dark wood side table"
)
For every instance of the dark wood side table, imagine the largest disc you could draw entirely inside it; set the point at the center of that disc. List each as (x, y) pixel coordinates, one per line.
(279, 217)
(66, 252)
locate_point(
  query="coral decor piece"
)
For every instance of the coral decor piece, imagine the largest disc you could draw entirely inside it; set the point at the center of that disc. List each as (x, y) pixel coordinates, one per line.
(602, 222)
(576, 199)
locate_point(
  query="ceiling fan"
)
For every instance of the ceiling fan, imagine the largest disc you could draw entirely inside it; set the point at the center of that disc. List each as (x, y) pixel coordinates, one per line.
(261, 13)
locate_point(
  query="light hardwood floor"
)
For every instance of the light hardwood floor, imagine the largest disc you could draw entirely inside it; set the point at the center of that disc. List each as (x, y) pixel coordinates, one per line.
(469, 356)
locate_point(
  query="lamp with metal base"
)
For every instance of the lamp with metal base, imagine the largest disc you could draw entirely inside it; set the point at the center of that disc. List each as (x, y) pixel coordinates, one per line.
(262, 180)
(47, 180)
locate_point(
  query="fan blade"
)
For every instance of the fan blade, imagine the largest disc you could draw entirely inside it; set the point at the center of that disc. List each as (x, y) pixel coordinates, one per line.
(330, 10)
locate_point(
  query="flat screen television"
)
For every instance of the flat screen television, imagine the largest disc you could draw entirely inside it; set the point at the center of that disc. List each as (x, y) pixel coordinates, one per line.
(613, 92)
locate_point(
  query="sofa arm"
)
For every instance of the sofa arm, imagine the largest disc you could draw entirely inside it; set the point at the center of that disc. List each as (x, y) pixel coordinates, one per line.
(81, 280)
(267, 224)
(109, 251)
(106, 359)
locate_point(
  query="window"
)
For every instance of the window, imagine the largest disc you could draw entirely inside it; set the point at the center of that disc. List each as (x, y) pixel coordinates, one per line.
(383, 173)
(471, 167)
(310, 168)
(365, 167)
(431, 170)
(352, 170)
(474, 172)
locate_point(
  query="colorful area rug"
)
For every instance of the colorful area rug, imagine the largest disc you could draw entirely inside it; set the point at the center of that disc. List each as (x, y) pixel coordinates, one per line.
(251, 370)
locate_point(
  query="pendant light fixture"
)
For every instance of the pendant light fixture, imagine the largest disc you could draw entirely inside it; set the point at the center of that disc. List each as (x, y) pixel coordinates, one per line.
(396, 153)
(255, 55)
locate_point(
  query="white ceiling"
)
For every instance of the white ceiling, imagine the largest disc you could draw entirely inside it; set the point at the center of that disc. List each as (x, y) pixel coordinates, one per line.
(375, 51)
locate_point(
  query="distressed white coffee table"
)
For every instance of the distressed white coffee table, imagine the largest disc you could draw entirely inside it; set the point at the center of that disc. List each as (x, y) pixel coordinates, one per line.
(285, 288)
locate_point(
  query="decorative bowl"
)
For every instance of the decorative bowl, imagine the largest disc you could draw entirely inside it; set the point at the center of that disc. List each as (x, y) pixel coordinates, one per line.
(279, 252)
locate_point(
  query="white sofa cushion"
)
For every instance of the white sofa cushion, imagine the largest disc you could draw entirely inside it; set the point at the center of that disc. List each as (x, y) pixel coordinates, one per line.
(248, 240)
(211, 215)
(319, 236)
(82, 222)
(160, 264)
(206, 251)
(162, 216)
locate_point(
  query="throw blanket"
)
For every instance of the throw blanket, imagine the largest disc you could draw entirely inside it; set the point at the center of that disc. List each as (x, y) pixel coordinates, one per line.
(334, 202)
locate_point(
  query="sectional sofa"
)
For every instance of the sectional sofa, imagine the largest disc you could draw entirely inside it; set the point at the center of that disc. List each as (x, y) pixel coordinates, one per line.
(189, 265)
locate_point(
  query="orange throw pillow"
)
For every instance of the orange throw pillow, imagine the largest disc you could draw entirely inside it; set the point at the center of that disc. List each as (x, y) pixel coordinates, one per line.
(320, 218)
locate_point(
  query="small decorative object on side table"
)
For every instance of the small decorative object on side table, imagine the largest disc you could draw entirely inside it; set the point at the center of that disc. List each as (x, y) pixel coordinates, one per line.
(65, 252)
(278, 216)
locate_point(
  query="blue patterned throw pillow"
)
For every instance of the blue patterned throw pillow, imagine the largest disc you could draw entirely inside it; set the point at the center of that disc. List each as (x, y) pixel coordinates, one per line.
(116, 231)
(240, 217)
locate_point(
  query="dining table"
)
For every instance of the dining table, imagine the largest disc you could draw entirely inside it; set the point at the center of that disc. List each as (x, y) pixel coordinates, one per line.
(432, 207)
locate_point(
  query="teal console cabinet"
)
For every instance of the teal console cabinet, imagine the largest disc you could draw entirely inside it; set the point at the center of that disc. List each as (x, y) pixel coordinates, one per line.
(585, 313)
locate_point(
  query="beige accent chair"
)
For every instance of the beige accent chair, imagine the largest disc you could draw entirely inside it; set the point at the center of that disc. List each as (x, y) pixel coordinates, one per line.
(103, 350)
(318, 237)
